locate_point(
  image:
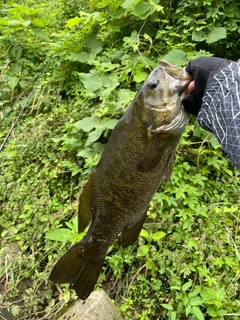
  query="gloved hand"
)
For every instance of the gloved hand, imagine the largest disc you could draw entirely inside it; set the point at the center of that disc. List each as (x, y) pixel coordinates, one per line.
(202, 70)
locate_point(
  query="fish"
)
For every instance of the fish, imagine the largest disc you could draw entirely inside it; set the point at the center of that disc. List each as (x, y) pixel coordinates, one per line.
(137, 157)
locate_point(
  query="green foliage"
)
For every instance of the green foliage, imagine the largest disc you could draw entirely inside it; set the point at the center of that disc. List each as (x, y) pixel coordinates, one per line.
(186, 261)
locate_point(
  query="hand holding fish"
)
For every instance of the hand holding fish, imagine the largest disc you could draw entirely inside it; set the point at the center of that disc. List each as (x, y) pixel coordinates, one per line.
(214, 97)
(202, 70)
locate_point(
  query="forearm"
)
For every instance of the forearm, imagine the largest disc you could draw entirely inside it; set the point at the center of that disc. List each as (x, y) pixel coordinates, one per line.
(220, 110)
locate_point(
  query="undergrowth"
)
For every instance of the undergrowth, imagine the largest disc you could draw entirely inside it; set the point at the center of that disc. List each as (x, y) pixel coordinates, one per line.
(81, 63)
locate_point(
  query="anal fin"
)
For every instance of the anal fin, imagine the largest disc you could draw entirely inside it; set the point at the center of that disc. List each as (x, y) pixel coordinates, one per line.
(130, 234)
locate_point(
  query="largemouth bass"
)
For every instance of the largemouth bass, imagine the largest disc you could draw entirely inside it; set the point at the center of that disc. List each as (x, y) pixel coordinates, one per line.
(138, 155)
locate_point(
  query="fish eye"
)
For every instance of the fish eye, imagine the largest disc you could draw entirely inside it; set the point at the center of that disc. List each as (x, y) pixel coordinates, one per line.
(153, 85)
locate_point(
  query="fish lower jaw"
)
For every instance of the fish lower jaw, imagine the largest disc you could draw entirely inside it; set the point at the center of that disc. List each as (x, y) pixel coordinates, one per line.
(175, 126)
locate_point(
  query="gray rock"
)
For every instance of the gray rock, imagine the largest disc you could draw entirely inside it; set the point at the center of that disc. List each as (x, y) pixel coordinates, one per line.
(98, 306)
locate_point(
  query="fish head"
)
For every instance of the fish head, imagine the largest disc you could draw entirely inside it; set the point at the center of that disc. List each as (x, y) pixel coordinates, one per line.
(159, 99)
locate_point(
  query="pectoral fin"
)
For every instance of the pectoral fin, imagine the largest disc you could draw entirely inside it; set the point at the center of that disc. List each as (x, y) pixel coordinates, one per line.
(130, 234)
(84, 207)
(151, 156)
(168, 169)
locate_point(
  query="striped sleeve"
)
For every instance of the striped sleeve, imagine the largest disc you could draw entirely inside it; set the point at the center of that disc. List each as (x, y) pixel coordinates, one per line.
(220, 110)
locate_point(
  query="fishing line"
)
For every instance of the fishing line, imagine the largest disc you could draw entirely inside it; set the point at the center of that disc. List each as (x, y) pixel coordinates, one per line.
(25, 104)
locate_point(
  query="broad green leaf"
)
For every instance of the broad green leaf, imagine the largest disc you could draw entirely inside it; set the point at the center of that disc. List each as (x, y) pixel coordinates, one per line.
(133, 40)
(188, 310)
(187, 285)
(143, 250)
(86, 153)
(26, 23)
(4, 21)
(192, 243)
(15, 22)
(173, 315)
(208, 295)
(125, 96)
(78, 56)
(91, 81)
(198, 313)
(38, 22)
(144, 234)
(198, 36)
(167, 306)
(95, 45)
(216, 34)
(93, 136)
(62, 235)
(128, 4)
(110, 81)
(72, 22)
(86, 124)
(157, 7)
(158, 235)
(140, 76)
(176, 57)
(13, 81)
(18, 52)
(99, 147)
(143, 9)
(196, 301)
(38, 32)
(109, 124)
(150, 264)
(15, 309)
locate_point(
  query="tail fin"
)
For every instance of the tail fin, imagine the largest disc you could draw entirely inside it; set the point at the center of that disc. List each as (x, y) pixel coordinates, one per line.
(73, 268)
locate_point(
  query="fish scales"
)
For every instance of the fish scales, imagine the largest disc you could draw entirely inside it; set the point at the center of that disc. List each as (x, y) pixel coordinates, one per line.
(136, 158)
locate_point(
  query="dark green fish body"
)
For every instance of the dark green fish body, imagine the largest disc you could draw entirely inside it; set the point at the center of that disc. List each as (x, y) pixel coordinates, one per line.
(137, 157)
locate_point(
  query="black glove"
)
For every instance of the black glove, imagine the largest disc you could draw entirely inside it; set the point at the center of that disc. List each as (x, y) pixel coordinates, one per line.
(202, 70)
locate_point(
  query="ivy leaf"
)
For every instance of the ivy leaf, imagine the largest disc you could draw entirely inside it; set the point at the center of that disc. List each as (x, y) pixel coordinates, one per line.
(86, 124)
(95, 45)
(125, 96)
(78, 56)
(216, 34)
(128, 4)
(140, 75)
(108, 124)
(176, 57)
(198, 36)
(110, 81)
(91, 81)
(93, 136)
(142, 9)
